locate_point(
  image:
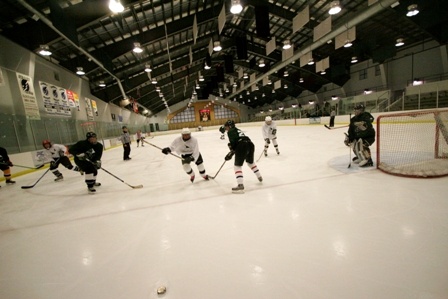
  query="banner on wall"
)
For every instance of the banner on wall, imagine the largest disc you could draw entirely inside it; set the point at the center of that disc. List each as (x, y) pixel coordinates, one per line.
(28, 96)
(89, 110)
(72, 99)
(94, 107)
(55, 98)
(64, 102)
(204, 114)
(49, 106)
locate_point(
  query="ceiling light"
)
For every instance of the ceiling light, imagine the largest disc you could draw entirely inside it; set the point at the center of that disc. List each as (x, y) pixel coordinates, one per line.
(102, 84)
(236, 7)
(269, 82)
(217, 46)
(334, 98)
(201, 78)
(311, 61)
(148, 68)
(323, 72)
(80, 71)
(245, 76)
(285, 74)
(261, 63)
(399, 43)
(137, 48)
(367, 91)
(44, 50)
(285, 86)
(417, 82)
(334, 8)
(206, 66)
(116, 6)
(354, 59)
(348, 44)
(287, 44)
(154, 81)
(197, 86)
(301, 80)
(412, 10)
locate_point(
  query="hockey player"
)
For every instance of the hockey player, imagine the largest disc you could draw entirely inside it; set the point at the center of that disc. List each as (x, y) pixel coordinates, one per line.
(5, 165)
(187, 146)
(361, 135)
(242, 147)
(126, 141)
(140, 137)
(88, 154)
(269, 130)
(57, 152)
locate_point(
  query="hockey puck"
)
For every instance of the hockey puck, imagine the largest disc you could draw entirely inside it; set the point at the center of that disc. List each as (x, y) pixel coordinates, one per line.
(161, 290)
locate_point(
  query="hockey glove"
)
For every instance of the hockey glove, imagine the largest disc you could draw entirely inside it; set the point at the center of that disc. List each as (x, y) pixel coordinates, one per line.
(222, 129)
(267, 141)
(81, 156)
(347, 141)
(53, 165)
(229, 156)
(274, 131)
(97, 164)
(166, 150)
(189, 159)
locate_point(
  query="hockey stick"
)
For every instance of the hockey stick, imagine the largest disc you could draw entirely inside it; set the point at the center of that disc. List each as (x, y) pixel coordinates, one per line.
(108, 172)
(31, 186)
(161, 149)
(213, 177)
(334, 128)
(260, 156)
(38, 167)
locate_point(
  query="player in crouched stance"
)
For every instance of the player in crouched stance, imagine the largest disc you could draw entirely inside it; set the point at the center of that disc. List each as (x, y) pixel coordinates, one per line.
(242, 147)
(187, 146)
(269, 130)
(57, 152)
(87, 155)
(361, 135)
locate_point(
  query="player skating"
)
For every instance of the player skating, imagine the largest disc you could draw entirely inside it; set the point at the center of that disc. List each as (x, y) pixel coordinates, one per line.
(242, 147)
(5, 165)
(57, 152)
(269, 130)
(140, 137)
(87, 155)
(361, 135)
(187, 146)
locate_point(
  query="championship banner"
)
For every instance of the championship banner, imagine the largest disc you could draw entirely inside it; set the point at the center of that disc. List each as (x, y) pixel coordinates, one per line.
(28, 96)
(89, 111)
(94, 107)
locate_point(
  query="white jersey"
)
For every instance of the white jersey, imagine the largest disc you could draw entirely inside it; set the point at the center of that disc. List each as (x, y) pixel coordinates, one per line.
(56, 150)
(267, 130)
(186, 147)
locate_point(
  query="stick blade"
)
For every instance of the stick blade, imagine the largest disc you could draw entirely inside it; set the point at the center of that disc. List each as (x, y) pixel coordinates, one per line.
(27, 187)
(327, 127)
(40, 166)
(137, 187)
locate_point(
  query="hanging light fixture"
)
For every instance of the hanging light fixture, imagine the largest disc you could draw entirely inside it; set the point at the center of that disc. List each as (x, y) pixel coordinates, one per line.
(80, 71)
(354, 59)
(261, 63)
(348, 44)
(154, 81)
(206, 66)
(285, 74)
(115, 6)
(412, 10)
(399, 43)
(44, 50)
(335, 8)
(201, 78)
(311, 61)
(236, 7)
(323, 72)
(137, 48)
(217, 46)
(148, 68)
(245, 76)
(301, 80)
(287, 44)
(102, 84)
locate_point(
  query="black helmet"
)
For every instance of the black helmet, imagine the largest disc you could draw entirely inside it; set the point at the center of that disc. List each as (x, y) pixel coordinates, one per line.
(230, 123)
(90, 135)
(359, 107)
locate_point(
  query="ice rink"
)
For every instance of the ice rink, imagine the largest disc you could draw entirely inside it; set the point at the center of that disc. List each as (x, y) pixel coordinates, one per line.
(313, 229)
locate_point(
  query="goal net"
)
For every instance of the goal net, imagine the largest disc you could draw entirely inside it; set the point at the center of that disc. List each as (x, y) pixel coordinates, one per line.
(413, 144)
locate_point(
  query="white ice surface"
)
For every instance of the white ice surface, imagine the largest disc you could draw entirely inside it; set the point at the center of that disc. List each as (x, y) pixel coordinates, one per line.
(313, 229)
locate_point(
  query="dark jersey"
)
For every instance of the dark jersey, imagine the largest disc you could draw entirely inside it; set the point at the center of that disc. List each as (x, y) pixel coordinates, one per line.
(93, 151)
(361, 127)
(236, 135)
(3, 156)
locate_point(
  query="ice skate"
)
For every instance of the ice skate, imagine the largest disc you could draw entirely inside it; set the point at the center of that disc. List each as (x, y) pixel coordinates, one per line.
(97, 184)
(238, 189)
(10, 182)
(265, 153)
(59, 178)
(205, 177)
(260, 179)
(278, 152)
(356, 160)
(192, 178)
(366, 163)
(91, 190)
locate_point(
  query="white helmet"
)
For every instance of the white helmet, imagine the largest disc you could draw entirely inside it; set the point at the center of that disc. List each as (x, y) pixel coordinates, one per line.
(268, 118)
(186, 131)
